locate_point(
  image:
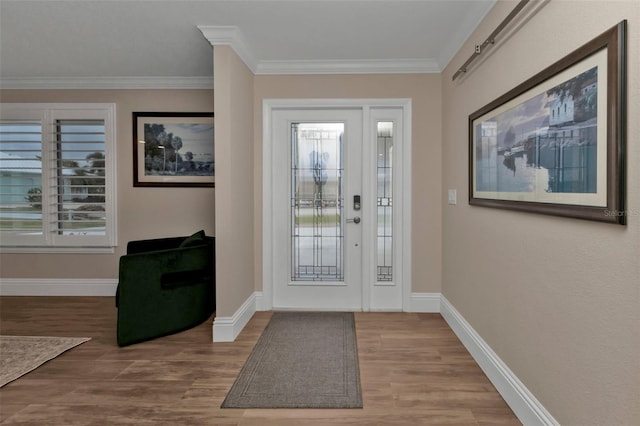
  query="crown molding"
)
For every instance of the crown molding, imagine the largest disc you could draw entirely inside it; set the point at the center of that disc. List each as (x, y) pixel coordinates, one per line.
(387, 66)
(106, 83)
(230, 35)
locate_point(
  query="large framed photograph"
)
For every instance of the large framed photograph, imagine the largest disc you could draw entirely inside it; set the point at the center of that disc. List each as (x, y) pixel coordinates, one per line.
(173, 149)
(556, 143)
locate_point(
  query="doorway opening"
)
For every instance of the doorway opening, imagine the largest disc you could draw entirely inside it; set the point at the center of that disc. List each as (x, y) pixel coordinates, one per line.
(337, 206)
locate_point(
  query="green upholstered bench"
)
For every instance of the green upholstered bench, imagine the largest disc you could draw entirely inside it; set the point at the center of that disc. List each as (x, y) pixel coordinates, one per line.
(165, 286)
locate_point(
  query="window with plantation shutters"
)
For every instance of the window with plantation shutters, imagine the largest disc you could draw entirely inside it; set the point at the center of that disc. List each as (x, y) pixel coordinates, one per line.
(57, 176)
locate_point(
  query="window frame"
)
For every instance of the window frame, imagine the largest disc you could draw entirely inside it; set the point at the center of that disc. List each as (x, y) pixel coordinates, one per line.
(49, 115)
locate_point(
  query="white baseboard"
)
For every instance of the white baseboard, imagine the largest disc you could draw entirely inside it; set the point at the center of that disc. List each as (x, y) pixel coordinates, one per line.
(260, 302)
(525, 406)
(424, 302)
(57, 287)
(226, 329)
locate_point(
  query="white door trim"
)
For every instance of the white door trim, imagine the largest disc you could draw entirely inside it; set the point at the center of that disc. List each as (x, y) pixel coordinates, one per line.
(268, 106)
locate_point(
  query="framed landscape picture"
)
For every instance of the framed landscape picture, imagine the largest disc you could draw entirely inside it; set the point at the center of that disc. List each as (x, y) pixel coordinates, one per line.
(555, 144)
(173, 149)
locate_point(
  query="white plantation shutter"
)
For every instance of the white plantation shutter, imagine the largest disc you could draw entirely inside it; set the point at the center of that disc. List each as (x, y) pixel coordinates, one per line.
(20, 175)
(57, 175)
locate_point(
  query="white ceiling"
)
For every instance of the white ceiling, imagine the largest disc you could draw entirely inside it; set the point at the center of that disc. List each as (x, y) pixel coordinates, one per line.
(49, 41)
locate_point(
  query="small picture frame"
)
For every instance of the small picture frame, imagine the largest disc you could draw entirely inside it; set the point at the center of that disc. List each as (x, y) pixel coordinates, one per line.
(173, 149)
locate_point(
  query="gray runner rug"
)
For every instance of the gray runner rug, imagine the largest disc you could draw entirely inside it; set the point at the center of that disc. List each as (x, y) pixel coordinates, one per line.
(302, 360)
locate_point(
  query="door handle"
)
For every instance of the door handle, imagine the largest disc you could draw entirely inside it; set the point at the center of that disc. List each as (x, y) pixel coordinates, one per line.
(354, 220)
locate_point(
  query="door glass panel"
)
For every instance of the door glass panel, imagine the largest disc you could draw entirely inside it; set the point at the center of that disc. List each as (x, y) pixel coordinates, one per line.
(385, 201)
(317, 211)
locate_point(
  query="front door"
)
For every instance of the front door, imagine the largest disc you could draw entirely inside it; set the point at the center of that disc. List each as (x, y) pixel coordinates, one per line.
(319, 176)
(332, 211)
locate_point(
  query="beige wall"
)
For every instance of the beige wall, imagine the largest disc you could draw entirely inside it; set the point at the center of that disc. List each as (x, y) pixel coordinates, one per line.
(424, 90)
(557, 299)
(233, 83)
(142, 212)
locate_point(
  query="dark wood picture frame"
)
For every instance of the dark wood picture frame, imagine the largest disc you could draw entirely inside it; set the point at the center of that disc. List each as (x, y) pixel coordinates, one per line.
(173, 149)
(555, 144)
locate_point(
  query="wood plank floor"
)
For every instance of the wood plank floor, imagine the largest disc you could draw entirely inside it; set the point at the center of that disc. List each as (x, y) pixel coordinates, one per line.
(414, 371)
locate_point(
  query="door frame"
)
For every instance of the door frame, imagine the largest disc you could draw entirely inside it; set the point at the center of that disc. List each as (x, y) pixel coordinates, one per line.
(403, 250)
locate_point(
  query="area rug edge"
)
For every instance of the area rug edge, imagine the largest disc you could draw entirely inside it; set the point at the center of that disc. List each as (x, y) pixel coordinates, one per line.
(42, 359)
